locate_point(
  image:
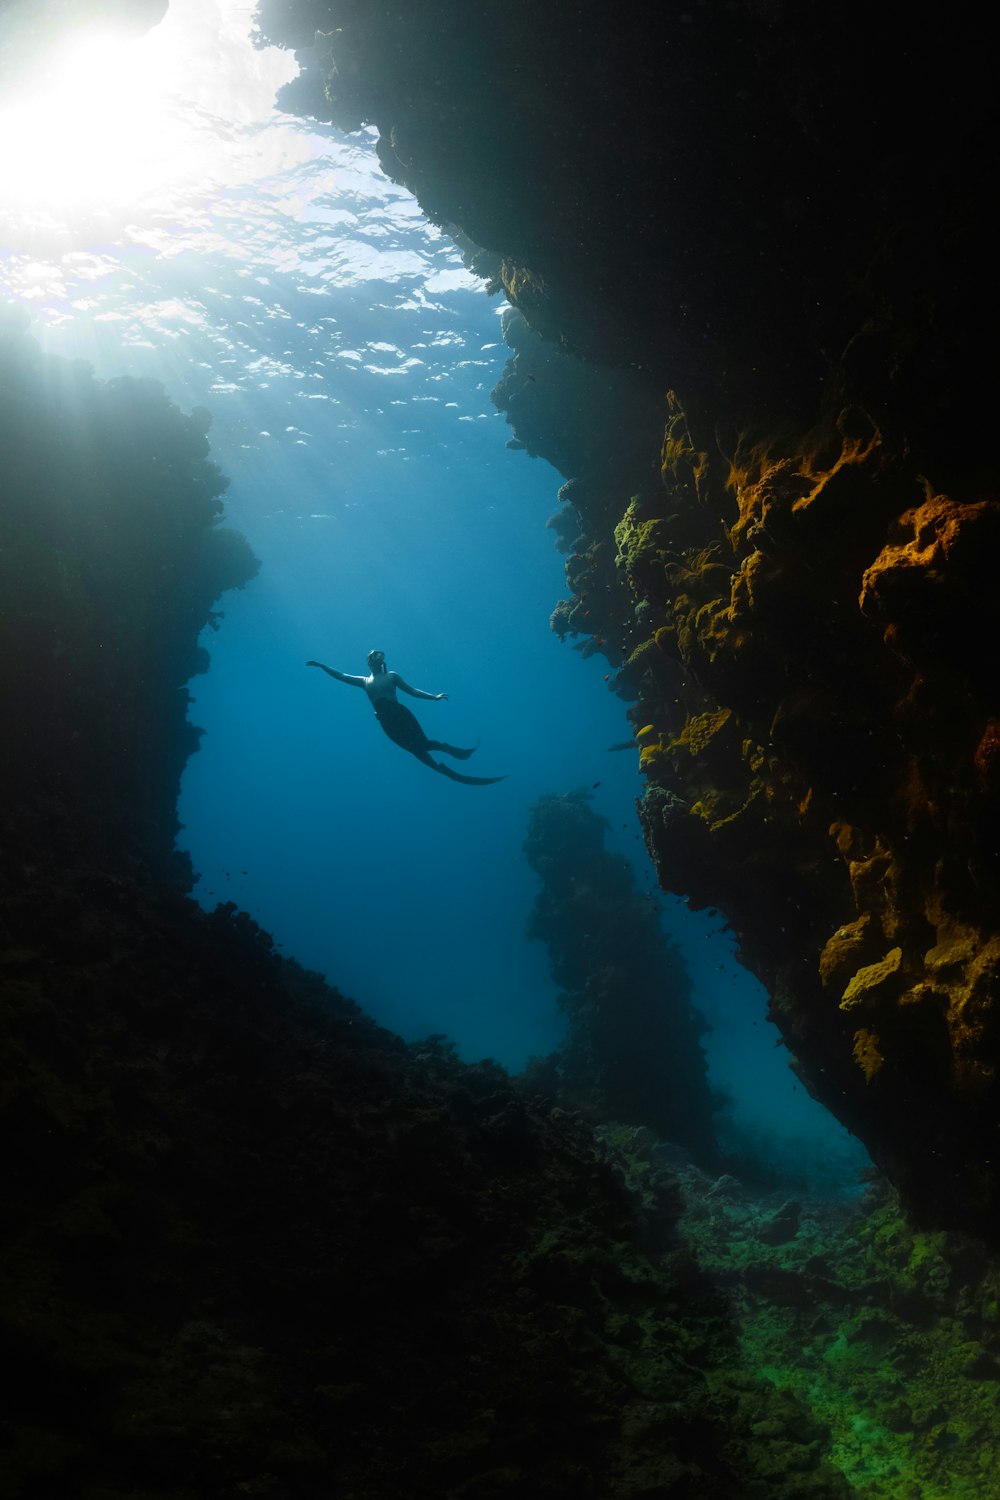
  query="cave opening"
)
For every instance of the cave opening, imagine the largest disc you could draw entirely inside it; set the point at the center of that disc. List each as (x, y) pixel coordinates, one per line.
(431, 1148)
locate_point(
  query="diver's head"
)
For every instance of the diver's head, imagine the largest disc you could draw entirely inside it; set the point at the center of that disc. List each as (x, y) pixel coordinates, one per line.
(376, 661)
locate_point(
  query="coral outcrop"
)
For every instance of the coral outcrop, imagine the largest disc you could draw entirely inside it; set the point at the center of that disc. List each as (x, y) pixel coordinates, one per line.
(773, 219)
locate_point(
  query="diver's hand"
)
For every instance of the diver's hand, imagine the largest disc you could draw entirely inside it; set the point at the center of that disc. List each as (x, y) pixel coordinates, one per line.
(438, 697)
(314, 663)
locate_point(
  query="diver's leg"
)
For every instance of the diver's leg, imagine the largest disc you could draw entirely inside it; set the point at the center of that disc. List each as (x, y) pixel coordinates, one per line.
(425, 760)
(452, 749)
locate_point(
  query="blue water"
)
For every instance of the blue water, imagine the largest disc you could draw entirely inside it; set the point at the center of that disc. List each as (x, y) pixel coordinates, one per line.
(346, 358)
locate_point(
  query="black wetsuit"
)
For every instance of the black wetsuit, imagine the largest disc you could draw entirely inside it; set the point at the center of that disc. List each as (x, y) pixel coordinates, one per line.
(402, 728)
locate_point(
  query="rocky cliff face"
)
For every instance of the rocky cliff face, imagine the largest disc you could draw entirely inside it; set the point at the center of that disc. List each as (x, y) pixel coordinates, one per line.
(112, 557)
(772, 222)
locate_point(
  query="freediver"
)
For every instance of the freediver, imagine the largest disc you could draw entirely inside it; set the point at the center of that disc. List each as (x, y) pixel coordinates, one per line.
(396, 719)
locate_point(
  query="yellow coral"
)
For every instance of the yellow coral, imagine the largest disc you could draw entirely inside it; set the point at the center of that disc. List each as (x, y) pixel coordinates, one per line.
(866, 1053)
(874, 980)
(700, 729)
(651, 753)
(634, 663)
(755, 757)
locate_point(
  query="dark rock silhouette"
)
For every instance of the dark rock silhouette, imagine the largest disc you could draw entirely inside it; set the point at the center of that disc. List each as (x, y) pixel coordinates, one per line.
(113, 557)
(632, 1050)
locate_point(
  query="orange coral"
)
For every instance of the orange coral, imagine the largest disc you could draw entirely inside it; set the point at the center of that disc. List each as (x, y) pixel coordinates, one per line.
(987, 756)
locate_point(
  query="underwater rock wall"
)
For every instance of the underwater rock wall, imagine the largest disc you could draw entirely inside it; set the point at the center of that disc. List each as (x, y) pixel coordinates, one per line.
(599, 427)
(111, 559)
(823, 778)
(774, 218)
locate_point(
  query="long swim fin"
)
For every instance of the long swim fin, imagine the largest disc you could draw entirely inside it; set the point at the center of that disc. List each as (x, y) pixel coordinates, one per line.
(468, 780)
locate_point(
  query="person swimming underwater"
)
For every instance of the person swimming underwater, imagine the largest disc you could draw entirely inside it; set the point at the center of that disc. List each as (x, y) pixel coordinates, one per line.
(396, 719)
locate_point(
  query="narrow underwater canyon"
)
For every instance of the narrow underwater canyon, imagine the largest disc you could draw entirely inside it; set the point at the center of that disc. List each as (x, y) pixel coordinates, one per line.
(261, 1246)
(257, 1244)
(791, 565)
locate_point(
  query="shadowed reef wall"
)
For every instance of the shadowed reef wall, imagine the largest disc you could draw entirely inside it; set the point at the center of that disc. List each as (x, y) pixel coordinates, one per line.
(773, 218)
(111, 559)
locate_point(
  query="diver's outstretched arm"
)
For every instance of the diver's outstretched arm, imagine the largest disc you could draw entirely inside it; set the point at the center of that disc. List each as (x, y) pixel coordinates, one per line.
(404, 686)
(340, 676)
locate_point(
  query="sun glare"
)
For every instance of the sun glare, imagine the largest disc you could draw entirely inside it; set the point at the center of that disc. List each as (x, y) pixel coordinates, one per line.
(109, 122)
(95, 130)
